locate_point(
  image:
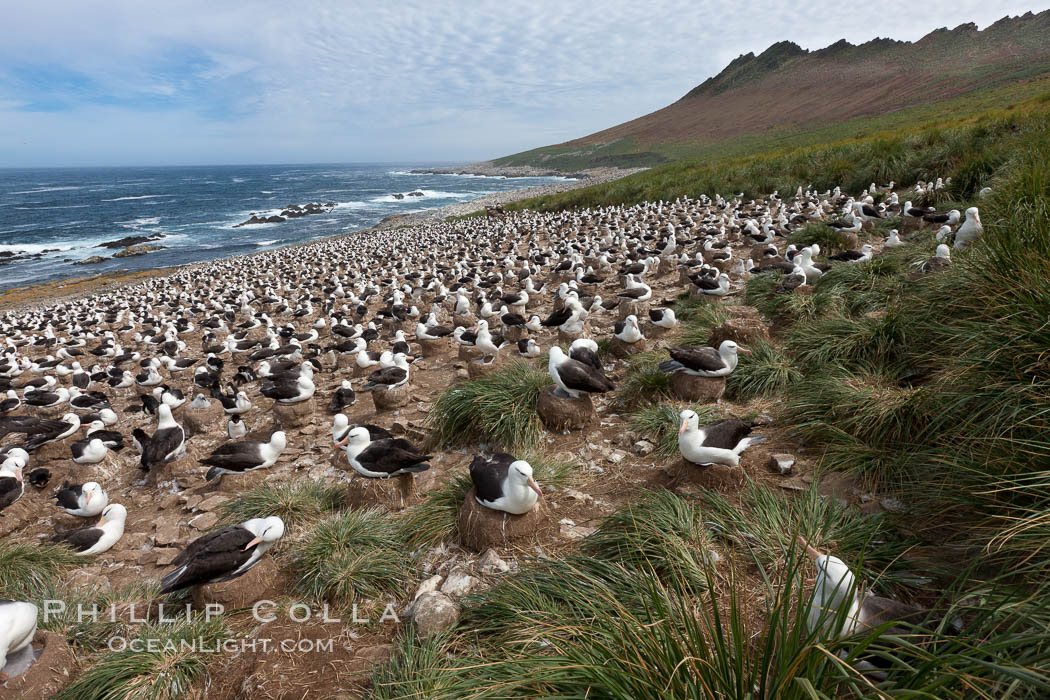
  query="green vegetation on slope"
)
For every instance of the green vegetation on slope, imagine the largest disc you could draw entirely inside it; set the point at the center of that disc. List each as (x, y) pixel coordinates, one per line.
(914, 144)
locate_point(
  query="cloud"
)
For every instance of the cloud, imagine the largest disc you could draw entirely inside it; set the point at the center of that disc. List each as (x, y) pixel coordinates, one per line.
(328, 80)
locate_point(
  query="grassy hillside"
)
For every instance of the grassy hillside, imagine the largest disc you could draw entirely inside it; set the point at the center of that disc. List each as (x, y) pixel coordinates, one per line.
(786, 91)
(904, 148)
(935, 389)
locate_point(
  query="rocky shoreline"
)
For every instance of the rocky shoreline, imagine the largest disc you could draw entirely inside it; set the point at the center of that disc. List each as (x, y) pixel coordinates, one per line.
(588, 178)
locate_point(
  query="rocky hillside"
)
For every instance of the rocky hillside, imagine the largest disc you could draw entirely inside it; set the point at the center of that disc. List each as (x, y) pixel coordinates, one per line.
(788, 88)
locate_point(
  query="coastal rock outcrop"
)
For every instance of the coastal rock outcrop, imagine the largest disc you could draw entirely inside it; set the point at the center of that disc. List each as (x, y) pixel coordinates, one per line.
(292, 211)
(134, 250)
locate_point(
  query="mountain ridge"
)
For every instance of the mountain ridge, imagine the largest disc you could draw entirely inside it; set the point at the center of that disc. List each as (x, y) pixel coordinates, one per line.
(789, 87)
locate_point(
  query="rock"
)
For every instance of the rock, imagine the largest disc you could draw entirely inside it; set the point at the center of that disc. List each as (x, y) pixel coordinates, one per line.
(262, 582)
(482, 528)
(434, 613)
(129, 241)
(689, 387)
(490, 563)
(163, 556)
(205, 521)
(643, 448)
(212, 503)
(616, 456)
(780, 463)
(50, 673)
(93, 260)
(134, 250)
(742, 331)
(763, 419)
(167, 533)
(578, 495)
(571, 531)
(459, 583)
(429, 586)
(563, 413)
(392, 399)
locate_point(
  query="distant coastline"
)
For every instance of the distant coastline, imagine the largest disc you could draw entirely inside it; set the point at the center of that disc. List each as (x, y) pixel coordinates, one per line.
(488, 168)
(93, 282)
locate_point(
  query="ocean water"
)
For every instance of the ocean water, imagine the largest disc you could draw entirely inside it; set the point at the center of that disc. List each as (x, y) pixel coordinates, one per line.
(70, 212)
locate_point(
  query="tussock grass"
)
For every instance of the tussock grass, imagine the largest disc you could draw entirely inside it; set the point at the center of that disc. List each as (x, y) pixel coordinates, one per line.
(765, 372)
(297, 503)
(350, 556)
(434, 519)
(499, 409)
(93, 632)
(659, 422)
(628, 622)
(661, 535)
(171, 672)
(829, 239)
(26, 569)
(643, 381)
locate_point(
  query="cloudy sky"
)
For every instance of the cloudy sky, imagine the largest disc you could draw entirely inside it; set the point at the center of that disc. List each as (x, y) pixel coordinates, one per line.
(237, 81)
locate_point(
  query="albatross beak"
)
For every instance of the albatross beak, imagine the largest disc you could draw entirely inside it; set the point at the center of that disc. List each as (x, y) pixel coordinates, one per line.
(255, 541)
(811, 551)
(535, 487)
(18, 475)
(341, 443)
(681, 430)
(743, 350)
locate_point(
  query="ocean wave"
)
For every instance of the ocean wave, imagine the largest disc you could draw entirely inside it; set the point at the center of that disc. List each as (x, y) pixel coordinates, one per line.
(35, 247)
(64, 206)
(51, 189)
(266, 242)
(140, 196)
(427, 194)
(140, 223)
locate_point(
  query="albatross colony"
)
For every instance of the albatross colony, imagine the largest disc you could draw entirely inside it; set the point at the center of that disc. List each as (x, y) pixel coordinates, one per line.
(282, 339)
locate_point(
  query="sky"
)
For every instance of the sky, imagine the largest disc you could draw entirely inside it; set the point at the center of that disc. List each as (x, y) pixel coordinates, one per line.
(166, 82)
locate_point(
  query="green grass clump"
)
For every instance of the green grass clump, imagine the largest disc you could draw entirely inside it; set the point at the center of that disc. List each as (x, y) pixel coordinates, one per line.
(765, 372)
(434, 519)
(295, 503)
(92, 633)
(499, 409)
(662, 535)
(350, 556)
(659, 421)
(643, 381)
(828, 238)
(26, 569)
(172, 671)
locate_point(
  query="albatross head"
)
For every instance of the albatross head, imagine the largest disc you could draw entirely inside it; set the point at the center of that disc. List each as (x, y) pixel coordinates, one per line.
(266, 530)
(114, 513)
(730, 348)
(520, 473)
(688, 421)
(355, 438)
